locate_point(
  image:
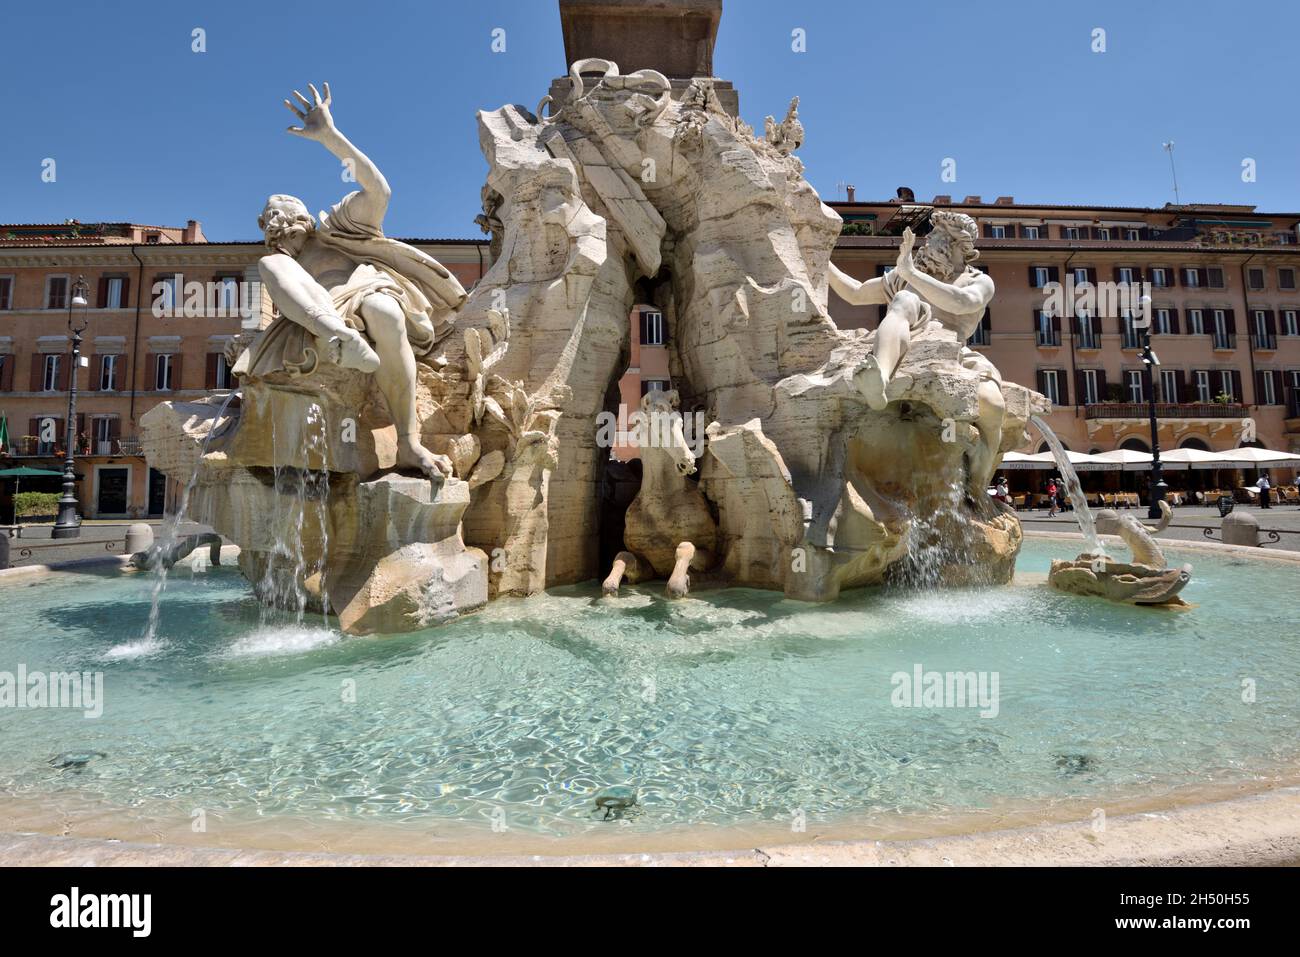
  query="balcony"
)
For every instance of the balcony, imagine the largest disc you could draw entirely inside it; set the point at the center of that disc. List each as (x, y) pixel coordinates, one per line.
(1048, 338)
(1165, 410)
(1265, 342)
(1223, 341)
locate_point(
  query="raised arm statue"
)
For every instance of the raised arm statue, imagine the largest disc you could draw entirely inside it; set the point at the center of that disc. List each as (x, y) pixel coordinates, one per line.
(348, 294)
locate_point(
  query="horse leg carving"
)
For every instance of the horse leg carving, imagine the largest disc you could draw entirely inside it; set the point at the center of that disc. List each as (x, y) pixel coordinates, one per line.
(626, 564)
(679, 583)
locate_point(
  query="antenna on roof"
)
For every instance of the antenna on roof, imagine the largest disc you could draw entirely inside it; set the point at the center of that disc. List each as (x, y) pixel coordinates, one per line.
(1169, 148)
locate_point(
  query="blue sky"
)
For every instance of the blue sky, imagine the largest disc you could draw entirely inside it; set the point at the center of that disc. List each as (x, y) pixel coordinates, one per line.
(144, 129)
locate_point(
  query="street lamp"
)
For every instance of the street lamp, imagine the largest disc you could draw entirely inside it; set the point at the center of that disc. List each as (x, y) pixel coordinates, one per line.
(1150, 362)
(68, 524)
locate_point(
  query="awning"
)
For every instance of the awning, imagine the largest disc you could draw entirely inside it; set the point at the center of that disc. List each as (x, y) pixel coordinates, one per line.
(1128, 460)
(1251, 458)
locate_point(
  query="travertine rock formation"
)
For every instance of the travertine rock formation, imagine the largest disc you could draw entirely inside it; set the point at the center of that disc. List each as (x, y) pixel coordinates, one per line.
(632, 190)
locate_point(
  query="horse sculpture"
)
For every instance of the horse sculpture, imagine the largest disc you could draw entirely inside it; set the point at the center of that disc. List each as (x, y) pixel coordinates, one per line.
(668, 529)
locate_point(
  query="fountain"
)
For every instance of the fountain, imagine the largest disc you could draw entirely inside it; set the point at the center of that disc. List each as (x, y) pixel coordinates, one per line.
(406, 457)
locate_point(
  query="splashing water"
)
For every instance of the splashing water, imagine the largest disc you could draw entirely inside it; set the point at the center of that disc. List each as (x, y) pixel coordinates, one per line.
(936, 538)
(170, 528)
(1082, 513)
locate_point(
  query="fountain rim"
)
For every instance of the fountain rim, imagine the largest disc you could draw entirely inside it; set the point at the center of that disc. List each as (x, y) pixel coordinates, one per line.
(1258, 829)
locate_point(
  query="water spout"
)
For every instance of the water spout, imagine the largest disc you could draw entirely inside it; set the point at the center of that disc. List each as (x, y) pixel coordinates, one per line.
(1082, 513)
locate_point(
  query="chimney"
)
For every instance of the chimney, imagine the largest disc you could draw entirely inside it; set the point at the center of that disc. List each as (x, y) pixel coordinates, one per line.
(941, 199)
(193, 232)
(851, 190)
(1005, 201)
(973, 201)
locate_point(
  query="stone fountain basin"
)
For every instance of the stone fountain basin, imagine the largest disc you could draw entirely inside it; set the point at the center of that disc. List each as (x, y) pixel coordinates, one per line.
(1227, 800)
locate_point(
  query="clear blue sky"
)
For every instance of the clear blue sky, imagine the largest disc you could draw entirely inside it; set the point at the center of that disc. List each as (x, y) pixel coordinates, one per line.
(143, 129)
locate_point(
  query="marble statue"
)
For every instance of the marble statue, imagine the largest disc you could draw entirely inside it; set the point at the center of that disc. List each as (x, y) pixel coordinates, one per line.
(347, 293)
(1146, 580)
(834, 458)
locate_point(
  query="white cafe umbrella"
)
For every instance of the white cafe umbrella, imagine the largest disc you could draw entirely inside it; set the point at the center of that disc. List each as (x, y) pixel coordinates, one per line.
(1252, 458)
(1126, 460)
(1178, 459)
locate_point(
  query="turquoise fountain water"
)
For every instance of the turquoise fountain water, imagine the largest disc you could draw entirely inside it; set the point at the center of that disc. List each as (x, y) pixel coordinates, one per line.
(733, 707)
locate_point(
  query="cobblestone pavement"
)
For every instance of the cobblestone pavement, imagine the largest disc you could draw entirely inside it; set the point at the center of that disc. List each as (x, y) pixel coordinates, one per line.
(1190, 522)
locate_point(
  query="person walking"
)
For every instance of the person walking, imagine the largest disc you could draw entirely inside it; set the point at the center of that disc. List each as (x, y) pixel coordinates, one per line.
(1003, 491)
(1264, 487)
(1051, 497)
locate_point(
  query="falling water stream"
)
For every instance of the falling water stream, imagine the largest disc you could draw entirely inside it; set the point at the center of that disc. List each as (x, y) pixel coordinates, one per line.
(170, 528)
(1082, 513)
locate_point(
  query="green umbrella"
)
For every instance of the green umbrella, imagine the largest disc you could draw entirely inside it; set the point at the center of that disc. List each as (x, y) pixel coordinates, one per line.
(4, 433)
(23, 471)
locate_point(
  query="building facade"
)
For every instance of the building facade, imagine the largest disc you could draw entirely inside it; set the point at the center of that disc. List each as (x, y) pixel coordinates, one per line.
(134, 354)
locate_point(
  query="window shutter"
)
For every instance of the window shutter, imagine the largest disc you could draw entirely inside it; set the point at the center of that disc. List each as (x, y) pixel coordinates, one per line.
(103, 291)
(1054, 273)
(1230, 318)
(1236, 385)
(1042, 381)
(1174, 327)
(123, 378)
(1101, 384)
(1092, 275)
(7, 373)
(96, 373)
(988, 231)
(1079, 388)
(1270, 322)
(38, 371)
(63, 372)
(1033, 278)
(1259, 386)
(81, 429)
(176, 372)
(126, 293)
(150, 372)
(210, 373)
(1056, 325)
(114, 429)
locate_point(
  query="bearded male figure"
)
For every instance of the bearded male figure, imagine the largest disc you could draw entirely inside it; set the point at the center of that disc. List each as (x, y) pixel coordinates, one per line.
(938, 285)
(348, 294)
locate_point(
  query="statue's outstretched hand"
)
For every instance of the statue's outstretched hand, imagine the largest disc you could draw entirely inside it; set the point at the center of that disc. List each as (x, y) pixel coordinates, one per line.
(317, 122)
(905, 265)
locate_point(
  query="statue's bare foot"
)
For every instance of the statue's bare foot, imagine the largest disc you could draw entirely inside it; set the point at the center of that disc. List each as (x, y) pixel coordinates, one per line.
(870, 381)
(351, 351)
(412, 455)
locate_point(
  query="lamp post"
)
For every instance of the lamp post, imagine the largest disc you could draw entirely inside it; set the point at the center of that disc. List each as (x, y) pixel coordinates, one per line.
(68, 524)
(1150, 362)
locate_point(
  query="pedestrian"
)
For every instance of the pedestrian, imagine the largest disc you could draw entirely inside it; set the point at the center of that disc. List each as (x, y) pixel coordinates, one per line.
(1264, 487)
(1003, 493)
(1051, 497)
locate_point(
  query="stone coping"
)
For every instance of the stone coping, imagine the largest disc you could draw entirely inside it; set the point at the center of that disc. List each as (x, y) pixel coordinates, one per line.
(1177, 544)
(1262, 829)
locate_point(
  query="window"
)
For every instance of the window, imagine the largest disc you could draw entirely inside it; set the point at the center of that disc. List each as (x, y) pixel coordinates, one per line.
(1227, 384)
(1133, 385)
(163, 373)
(153, 237)
(113, 292)
(1191, 276)
(652, 328)
(1160, 277)
(1285, 278)
(227, 303)
(1030, 232)
(56, 292)
(1081, 276)
(997, 232)
(1051, 385)
(1195, 322)
(1042, 276)
(1265, 338)
(1072, 232)
(1169, 385)
(1267, 388)
(1255, 277)
(1214, 277)
(1222, 337)
(983, 334)
(1162, 325)
(653, 385)
(1127, 275)
(102, 435)
(1103, 232)
(1289, 325)
(1091, 387)
(50, 374)
(1133, 235)
(223, 373)
(1202, 377)
(108, 373)
(1046, 329)
(167, 294)
(1132, 338)
(6, 292)
(1088, 338)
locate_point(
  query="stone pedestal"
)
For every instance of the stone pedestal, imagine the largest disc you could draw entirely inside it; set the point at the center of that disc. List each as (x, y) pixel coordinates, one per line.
(1240, 528)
